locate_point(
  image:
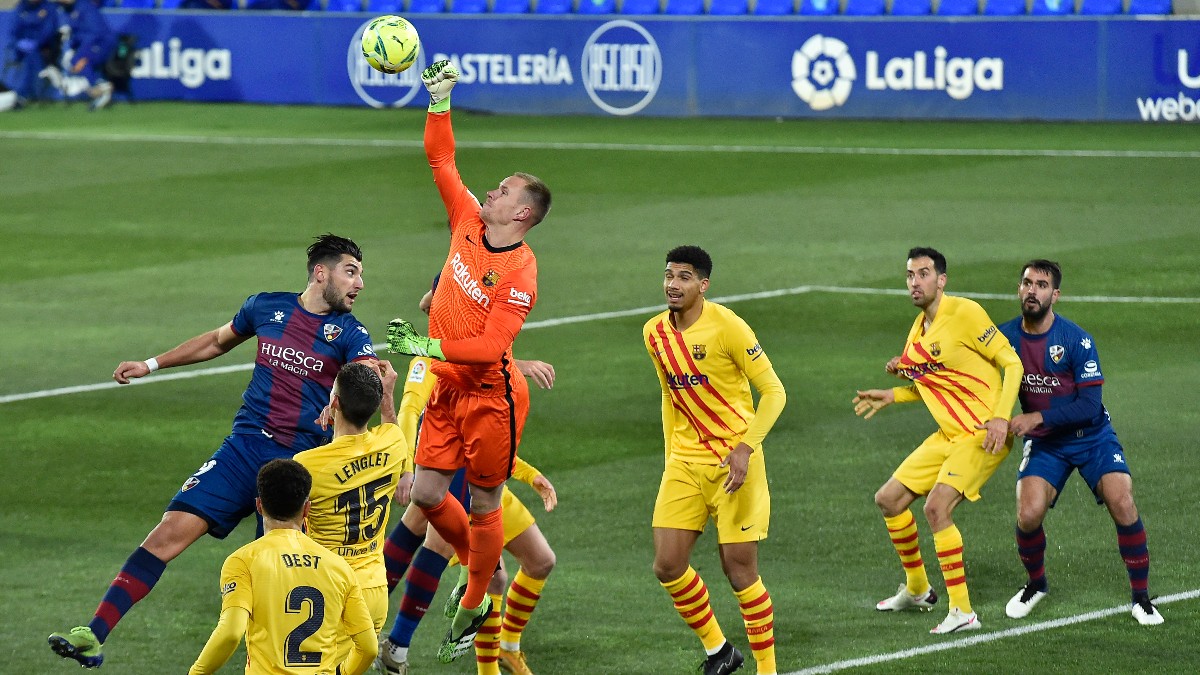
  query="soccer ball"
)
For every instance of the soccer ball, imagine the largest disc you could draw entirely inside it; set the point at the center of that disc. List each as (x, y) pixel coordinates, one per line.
(390, 44)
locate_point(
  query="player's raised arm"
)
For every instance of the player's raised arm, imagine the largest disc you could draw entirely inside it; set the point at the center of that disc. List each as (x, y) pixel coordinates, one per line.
(203, 347)
(439, 79)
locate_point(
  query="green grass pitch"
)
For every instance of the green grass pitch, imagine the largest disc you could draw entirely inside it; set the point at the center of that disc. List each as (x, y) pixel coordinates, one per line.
(126, 232)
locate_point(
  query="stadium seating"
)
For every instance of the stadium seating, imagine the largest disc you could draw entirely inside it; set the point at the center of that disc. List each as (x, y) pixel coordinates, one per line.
(958, 7)
(511, 7)
(1004, 7)
(426, 6)
(639, 7)
(728, 7)
(553, 6)
(1052, 7)
(1100, 7)
(819, 7)
(344, 6)
(137, 4)
(174, 4)
(385, 6)
(863, 8)
(911, 8)
(596, 7)
(1149, 7)
(468, 6)
(774, 7)
(684, 7)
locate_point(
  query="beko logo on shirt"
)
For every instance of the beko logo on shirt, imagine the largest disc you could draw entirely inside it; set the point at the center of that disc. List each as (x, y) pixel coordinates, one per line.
(462, 277)
(519, 298)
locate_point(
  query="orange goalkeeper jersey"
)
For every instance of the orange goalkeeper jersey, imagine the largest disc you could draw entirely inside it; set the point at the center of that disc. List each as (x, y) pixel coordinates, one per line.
(484, 293)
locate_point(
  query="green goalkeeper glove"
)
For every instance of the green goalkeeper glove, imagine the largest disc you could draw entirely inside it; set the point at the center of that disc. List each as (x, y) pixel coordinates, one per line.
(402, 338)
(439, 79)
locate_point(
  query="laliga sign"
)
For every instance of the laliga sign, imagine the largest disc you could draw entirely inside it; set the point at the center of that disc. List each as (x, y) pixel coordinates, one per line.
(380, 90)
(621, 67)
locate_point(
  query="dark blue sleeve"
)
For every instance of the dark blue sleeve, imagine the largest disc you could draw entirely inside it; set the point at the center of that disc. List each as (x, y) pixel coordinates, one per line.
(359, 345)
(1088, 404)
(243, 321)
(90, 30)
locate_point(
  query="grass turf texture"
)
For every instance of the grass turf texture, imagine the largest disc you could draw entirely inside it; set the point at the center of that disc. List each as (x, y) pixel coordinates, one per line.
(118, 250)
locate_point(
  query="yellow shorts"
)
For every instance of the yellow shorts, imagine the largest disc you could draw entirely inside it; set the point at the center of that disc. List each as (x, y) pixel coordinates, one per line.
(692, 493)
(515, 515)
(960, 462)
(377, 604)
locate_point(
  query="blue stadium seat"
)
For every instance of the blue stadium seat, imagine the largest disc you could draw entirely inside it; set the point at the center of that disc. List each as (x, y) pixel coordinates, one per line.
(468, 6)
(728, 7)
(511, 7)
(863, 8)
(774, 7)
(1149, 7)
(911, 8)
(385, 6)
(1004, 7)
(639, 7)
(684, 7)
(1052, 7)
(173, 4)
(553, 7)
(1100, 7)
(426, 6)
(137, 4)
(958, 7)
(596, 7)
(819, 7)
(344, 6)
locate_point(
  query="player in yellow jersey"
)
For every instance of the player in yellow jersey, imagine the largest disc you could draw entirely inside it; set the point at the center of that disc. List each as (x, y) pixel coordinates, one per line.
(355, 476)
(706, 358)
(968, 375)
(291, 597)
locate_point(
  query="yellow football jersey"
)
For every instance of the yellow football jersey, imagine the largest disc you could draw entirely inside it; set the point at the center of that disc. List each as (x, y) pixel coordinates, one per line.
(301, 598)
(706, 371)
(354, 478)
(956, 366)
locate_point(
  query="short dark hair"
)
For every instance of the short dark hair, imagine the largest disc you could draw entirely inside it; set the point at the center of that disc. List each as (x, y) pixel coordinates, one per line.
(283, 487)
(1046, 266)
(538, 194)
(695, 256)
(359, 392)
(939, 260)
(328, 249)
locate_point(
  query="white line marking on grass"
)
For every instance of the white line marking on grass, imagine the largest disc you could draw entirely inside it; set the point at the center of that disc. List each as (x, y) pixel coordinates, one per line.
(989, 637)
(611, 147)
(599, 316)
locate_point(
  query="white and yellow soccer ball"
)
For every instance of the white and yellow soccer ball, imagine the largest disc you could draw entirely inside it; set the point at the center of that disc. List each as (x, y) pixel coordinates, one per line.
(390, 44)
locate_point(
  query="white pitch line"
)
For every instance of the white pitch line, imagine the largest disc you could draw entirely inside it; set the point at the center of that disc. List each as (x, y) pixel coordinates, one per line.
(598, 316)
(988, 637)
(603, 147)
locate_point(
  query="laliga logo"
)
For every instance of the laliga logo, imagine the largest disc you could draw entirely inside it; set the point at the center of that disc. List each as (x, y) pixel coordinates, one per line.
(377, 89)
(621, 76)
(823, 72)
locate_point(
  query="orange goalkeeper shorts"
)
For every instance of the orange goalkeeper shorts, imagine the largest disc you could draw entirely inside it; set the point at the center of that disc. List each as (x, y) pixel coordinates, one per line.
(479, 432)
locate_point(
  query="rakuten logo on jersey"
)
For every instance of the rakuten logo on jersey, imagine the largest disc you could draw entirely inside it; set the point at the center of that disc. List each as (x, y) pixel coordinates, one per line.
(467, 282)
(686, 381)
(516, 297)
(1036, 383)
(958, 76)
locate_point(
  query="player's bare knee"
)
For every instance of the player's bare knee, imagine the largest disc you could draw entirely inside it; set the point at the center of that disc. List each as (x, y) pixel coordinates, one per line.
(669, 570)
(539, 567)
(938, 515)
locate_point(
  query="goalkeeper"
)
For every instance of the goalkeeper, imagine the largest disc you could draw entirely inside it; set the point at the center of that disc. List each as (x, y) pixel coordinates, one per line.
(477, 412)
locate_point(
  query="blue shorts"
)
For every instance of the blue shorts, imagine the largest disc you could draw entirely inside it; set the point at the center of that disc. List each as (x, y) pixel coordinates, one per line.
(1054, 461)
(222, 491)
